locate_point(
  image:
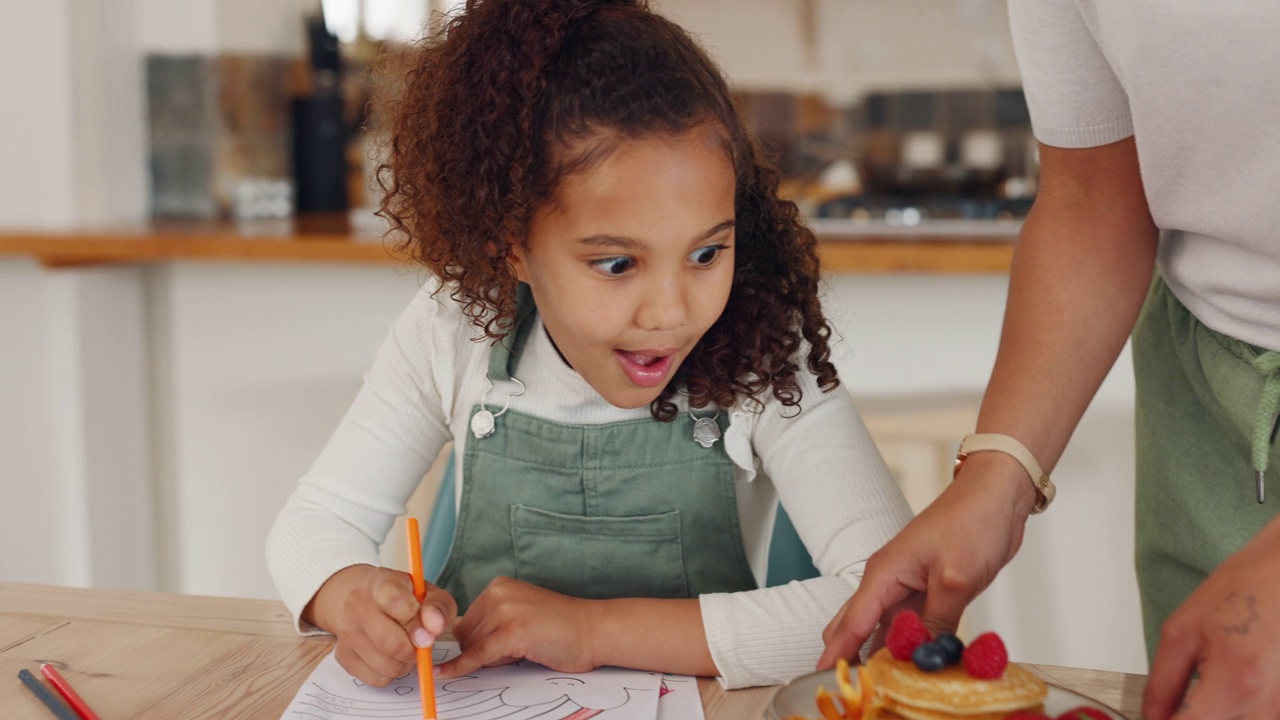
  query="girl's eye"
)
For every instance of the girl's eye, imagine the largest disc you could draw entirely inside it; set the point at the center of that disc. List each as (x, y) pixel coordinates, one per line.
(707, 255)
(613, 265)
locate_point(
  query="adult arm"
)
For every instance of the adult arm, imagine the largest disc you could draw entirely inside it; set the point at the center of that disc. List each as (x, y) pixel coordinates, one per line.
(1081, 269)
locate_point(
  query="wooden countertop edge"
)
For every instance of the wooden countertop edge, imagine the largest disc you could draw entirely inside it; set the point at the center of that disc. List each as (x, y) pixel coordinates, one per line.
(839, 253)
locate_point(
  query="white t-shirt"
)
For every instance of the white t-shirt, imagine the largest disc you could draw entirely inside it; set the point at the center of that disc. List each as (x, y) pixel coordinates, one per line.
(1198, 86)
(429, 374)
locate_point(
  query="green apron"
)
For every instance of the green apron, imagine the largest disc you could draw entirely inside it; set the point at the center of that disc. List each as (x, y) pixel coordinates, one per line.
(626, 509)
(1205, 421)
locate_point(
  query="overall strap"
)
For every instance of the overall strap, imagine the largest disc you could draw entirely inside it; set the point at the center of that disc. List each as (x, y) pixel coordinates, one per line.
(506, 351)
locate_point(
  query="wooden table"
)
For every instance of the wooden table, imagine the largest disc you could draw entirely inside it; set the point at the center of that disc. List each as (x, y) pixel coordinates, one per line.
(163, 656)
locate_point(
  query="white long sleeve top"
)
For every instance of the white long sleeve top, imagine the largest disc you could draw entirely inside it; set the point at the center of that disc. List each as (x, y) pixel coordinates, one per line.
(430, 373)
(1196, 85)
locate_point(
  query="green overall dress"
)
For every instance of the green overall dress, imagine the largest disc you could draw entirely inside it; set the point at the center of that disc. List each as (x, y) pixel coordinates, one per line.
(625, 509)
(1206, 421)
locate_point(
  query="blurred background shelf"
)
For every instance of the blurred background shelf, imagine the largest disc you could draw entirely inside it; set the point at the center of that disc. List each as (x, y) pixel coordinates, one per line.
(845, 247)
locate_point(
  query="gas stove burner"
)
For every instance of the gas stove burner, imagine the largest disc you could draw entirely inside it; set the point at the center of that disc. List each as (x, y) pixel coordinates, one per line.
(911, 212)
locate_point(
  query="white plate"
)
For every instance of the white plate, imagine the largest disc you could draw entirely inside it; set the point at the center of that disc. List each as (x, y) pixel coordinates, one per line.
(797, 697)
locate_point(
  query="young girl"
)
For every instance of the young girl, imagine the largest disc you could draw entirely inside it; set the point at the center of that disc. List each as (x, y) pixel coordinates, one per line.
(627, 351)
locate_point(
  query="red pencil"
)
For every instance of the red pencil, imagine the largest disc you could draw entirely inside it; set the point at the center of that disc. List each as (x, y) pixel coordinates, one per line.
(64, 688)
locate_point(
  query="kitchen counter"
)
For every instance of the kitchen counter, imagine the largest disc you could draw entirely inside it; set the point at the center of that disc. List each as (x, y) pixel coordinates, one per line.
(844, 246)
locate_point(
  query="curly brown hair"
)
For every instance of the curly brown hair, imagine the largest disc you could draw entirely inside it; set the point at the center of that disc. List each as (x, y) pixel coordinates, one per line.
(480, 119)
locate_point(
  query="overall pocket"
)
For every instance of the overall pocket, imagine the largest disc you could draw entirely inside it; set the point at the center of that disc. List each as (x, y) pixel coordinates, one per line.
(600, 557)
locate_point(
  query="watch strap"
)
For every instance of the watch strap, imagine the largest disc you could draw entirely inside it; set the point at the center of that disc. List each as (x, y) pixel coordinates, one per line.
(998, 442)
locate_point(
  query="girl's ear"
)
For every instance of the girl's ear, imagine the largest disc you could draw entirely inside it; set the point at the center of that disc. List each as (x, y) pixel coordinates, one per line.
(516, 259)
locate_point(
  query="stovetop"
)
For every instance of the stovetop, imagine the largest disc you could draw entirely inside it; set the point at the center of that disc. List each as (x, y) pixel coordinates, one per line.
(901, 211)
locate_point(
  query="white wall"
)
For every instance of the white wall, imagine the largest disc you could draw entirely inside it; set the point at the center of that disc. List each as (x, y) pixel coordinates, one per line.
(255, 365)
(73, 139)
(262, 26)
(37, 176)
(858, 45)
(74, 462)
(177, 26)
(28, 470)
(73, 394)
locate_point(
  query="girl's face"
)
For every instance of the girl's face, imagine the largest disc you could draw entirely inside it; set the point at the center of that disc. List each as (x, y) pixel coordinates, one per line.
(633, 261)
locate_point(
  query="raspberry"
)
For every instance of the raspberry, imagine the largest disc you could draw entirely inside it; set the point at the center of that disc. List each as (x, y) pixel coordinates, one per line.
(985, 658)
(906, 632)
(1084, 713)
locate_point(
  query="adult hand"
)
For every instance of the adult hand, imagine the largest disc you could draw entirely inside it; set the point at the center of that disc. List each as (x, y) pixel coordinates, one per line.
(513, 620)
(378, 622)
(949, 553)
(1228, 630)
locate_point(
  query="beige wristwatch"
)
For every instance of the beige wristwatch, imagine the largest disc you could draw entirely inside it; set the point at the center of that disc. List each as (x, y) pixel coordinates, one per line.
(1003, 443)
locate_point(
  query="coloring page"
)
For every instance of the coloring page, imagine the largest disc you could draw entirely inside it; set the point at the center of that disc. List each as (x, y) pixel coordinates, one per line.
(679, 698)
(521, 691)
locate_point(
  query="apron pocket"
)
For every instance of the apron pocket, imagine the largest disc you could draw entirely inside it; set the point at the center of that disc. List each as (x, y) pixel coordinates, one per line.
(599, 557)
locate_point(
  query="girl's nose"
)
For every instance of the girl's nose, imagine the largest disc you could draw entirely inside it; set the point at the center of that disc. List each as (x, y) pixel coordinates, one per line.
(663, 307)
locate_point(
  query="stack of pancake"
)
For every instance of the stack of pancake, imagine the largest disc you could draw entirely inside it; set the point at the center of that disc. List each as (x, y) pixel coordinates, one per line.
(909, 692)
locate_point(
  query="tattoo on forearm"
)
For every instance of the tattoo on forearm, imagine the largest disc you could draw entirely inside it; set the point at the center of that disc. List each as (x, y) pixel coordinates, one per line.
(1237, 614)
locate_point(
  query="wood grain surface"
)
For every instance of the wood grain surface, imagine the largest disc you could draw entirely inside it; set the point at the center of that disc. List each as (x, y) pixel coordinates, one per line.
(155, 656)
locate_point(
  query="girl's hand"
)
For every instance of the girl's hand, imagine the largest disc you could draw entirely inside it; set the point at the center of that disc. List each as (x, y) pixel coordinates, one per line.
(378, 622)
(513, 620)
(1229, 631)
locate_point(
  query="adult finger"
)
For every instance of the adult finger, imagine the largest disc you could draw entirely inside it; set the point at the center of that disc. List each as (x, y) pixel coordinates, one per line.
(945, 600)
(1219, 693)
(1170, 673)
(876, 594)
(829, 632)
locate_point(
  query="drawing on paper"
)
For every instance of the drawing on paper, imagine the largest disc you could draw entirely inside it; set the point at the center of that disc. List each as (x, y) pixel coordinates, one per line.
(521, 691)
(528, 690)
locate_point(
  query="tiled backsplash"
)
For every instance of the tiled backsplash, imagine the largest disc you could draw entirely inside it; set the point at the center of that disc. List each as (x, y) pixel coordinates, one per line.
(214, 122)
(182, 130)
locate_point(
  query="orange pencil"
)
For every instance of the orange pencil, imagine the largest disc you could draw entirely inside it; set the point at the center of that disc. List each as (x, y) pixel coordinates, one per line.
(425, 678)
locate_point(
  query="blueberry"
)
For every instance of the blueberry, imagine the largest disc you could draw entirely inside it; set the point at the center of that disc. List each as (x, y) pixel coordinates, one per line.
(929, 657)
(951, 646)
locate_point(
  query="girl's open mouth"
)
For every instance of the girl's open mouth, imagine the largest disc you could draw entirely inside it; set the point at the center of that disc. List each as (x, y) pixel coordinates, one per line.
(644, 369)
